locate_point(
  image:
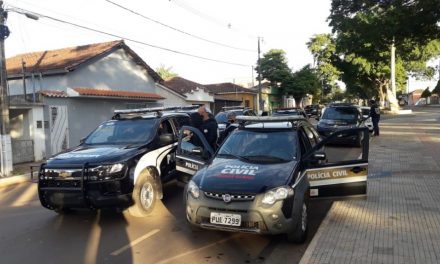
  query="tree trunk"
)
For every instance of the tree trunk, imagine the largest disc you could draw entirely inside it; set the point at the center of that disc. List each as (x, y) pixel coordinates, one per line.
(298, 102)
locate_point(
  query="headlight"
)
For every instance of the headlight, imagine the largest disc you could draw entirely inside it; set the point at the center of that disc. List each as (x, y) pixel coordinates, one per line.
(193, 189)
(280, 193)
(104, 171)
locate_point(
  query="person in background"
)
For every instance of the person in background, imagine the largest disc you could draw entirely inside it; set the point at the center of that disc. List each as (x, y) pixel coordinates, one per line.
(375, 117)
(209, 127)
(231, 126)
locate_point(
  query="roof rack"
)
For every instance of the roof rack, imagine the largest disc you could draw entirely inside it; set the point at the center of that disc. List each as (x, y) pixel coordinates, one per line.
(234, 107)
(244, 120)
(269, 119)
(155, 110)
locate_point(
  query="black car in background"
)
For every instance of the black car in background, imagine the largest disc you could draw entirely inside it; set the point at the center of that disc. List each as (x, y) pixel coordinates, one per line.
(289, 111)
(222, 116)
(341, 116)
(313, 110)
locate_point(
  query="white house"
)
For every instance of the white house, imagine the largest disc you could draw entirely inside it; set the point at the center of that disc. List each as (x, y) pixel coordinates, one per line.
(59, 96)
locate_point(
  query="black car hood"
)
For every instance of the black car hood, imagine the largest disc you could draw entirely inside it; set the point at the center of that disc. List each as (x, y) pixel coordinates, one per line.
(94, 154)
(235, 176)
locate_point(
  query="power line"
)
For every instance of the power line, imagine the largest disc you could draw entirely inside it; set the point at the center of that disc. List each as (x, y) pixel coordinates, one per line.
(176, 29)
(196, 12)
(24, 11)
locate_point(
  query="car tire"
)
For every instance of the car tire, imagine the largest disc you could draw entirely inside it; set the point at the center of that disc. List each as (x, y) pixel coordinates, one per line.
(299, 233)
(145, 196)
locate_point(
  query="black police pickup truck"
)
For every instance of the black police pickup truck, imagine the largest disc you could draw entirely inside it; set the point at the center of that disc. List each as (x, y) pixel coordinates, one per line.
(261, 178)
(122, 163)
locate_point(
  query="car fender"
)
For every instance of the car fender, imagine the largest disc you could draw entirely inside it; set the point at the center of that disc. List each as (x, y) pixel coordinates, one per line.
(153, 159)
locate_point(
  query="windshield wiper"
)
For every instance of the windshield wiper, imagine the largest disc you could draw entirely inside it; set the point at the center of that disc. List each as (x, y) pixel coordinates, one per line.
(266, 157)
(235, 156)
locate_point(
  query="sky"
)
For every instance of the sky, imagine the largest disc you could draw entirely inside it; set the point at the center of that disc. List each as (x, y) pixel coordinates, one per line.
(225, 30)
(282, 24)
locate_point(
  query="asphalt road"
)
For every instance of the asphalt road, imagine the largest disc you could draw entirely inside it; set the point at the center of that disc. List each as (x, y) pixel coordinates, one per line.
(31, 234)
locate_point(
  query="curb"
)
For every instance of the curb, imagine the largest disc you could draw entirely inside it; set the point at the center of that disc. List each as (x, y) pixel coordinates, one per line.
(14, 180)
(311, 248)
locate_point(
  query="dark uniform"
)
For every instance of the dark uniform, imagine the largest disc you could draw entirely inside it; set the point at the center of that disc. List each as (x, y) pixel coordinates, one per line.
(229, 128)
(209, 128)
(375, 117)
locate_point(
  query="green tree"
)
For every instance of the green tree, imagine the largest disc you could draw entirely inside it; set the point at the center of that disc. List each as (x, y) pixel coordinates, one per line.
(436, 90)
(273, 67)
(305, 81)
(426, 93)
(165, 72)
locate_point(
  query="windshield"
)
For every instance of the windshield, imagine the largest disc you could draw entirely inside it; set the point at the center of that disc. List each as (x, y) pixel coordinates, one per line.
(341, 113)
(277, 146)
(133, 131)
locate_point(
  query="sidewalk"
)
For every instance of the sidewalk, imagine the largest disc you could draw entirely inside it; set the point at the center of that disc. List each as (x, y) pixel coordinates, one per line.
(20, 174)
(399, 221)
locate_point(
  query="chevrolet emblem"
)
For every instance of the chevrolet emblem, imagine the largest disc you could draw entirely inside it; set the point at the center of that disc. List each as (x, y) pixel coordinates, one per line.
(64, 174)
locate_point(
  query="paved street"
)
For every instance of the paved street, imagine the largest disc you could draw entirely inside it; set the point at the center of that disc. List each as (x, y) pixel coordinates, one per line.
(399, 221)
(31, 234)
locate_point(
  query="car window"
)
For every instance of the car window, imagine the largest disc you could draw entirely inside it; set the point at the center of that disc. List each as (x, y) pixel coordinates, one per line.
(165, 128)
(341, 113)
(181, 121)
(221, 117)
(131, 131)
(264, 146)
(191, 141)
(312, 139)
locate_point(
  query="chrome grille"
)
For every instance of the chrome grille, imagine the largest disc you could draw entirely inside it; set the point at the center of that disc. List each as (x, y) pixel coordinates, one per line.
(234, 197)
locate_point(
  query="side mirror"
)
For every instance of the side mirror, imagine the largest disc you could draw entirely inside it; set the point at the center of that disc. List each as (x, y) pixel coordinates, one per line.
(319, 156)
(166, 139)
(317, 118)
(82, 140)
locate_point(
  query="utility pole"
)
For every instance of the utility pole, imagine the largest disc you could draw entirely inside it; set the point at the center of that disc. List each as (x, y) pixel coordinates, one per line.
(392, 94)
(6, 148)
(260, 99)
(23, 71)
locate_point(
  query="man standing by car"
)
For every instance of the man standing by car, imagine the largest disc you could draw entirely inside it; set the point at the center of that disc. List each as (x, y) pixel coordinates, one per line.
(231, 126)
(209, 127)
(375, 116)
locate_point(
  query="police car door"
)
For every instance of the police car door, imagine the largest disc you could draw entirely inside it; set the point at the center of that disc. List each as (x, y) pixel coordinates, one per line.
(193, 151)
(338, 165)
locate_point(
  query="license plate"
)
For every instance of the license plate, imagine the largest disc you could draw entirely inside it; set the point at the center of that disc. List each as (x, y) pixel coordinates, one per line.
(226, 219)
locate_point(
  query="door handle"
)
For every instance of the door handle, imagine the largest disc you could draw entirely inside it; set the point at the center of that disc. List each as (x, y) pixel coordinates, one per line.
(357, 169)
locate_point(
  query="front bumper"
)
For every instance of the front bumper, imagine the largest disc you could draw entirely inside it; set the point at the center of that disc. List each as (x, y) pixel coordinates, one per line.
(255, 217)
(80, 192)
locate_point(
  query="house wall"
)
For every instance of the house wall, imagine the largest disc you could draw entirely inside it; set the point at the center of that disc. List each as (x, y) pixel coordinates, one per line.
(242, 97)
(38, 132)
(85, 114)
(172, 98)
(199, 95)
(115, 71)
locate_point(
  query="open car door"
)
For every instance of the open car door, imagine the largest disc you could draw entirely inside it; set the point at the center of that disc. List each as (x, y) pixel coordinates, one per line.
(338, 165)
(193, 152)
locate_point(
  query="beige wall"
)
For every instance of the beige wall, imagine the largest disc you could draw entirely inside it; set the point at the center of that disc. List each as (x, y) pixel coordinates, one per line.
(243, 97)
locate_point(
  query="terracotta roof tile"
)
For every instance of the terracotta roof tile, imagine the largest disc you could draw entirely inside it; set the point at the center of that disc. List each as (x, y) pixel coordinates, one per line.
(219, 88)
(53, 93)
(69, 58)
(120, 94)
(182, 85)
